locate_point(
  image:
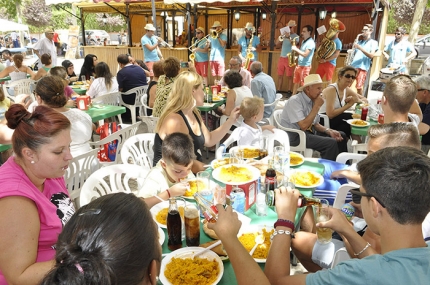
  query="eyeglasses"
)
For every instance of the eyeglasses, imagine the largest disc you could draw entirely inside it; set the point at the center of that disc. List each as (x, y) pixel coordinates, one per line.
(397, 34)
(350, 76)
(356, 197)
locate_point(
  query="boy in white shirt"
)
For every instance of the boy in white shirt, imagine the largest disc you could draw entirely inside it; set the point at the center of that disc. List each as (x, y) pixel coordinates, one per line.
(163, 181)
(252, 111)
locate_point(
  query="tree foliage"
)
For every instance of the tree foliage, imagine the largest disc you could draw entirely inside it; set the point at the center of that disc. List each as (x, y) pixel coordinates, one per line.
(402, 12)
(10, 7)
(37, 14)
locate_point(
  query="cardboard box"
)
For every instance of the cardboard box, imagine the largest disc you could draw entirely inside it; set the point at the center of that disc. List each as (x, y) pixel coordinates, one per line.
(250, 190)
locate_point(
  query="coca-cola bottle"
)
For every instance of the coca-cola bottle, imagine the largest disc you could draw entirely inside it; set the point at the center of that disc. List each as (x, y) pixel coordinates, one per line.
(302, 202)
(271, 178)
(209, 210)
(174, 226)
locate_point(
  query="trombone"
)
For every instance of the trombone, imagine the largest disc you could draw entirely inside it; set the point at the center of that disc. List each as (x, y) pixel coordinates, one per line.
(215, 33)
(164, 43)
(197, 42)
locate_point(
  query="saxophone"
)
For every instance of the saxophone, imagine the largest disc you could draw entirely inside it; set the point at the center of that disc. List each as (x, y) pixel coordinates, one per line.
(351, 52)
(249, 54)
(328, 47)
(192, 56)
(292, 56)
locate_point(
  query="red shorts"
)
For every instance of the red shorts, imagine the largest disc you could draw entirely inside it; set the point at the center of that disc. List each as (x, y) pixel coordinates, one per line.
(283, 66)
(202, 68)
(326, 69)
(300, 73)
(217, 68)
(150, 65)
(361, 78)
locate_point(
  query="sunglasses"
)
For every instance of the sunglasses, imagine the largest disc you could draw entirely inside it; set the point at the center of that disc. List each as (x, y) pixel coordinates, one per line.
(356, 197)
(350, 76)
(397, 34)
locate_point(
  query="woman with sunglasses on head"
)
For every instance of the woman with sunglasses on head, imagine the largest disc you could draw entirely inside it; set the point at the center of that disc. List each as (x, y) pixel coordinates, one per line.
(339, 97)
(70, 68)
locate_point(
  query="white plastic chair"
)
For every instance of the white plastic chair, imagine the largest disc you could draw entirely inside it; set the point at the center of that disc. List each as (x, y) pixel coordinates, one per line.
(356, 147)
(139, 150)
(307, 152)
(150, 122)
(326, 120)
(343, 190)
(112, 99)
(112, 179)
(234, 136)
(139, 91)
(22, 86)
(278, 135)
(145, 106)
(80, 168)
(343, 157)
(274, 103)
(121, 135)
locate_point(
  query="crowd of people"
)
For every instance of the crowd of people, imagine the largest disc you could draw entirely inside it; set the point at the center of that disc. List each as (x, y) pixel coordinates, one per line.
(114, 240)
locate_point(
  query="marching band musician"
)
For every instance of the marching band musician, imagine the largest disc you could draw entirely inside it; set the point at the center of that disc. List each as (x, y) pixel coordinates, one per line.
(217, 53)
(395, 52)
(327, 66)
(284, 64)
(365, 50)
(201, 53)
(306, 52)
(247, 41)
(151, 52)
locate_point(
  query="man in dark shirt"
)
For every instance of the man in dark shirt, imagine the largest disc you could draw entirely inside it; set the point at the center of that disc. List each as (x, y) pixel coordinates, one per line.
(423, 97)
(130, 76)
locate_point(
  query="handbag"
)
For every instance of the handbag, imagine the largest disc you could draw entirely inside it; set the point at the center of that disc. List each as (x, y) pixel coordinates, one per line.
(107, 153)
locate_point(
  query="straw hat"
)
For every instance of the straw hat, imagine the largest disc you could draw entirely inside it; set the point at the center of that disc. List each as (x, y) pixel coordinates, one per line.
(49, 31)
(249, 26)
(201, 29)
(216, 24)
(291, 23)
(311, 79)
(149, 27)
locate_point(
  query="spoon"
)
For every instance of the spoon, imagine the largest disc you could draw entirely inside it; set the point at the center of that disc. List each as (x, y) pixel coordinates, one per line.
(258, 240)
(207, 248)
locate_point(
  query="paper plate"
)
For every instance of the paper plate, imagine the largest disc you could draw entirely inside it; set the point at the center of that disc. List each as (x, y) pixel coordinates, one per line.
(254, 174)
(160, 206)
(188, 252)
(350, 121)
(255, 229)
(299, 176)
(296, 154)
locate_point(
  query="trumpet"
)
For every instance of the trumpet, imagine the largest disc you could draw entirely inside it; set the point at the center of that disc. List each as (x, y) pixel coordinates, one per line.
(216, 33)
(164, 43)
(281, 38)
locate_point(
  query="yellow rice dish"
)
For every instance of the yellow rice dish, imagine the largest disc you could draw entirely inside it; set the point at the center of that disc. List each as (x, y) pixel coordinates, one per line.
(359, 123)
(305, 178)
(251, 153)
(194, 186)
(221, 162)
(248, 242)
(196, 271)
(161, 216)
(295, 159)
(235, 174)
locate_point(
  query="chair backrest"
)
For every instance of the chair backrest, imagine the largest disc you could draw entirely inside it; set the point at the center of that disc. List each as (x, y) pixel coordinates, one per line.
(343, 157)
(343, 190)
(340, 255)
(326, 120)
(277, 98)
(150, 122)
(138, 150)
(22, 86)
(145, 106)
(113, 179)
(121, 135)
(108, 99)
(139, 92)
(80, 168)
(234, 136)
(278, 135)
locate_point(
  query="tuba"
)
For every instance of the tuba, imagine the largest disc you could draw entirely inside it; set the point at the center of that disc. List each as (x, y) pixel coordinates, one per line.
(292, 57)
(328, 47)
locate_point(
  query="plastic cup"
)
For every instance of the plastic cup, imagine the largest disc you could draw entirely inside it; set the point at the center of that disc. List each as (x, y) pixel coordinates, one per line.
(260, 205)
(323, 215)
(83, 78)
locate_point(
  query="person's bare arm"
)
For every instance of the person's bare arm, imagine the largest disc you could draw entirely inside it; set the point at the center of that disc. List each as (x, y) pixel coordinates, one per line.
(423, 128)
(307, 122)
(6, 72)
(40, 73)
(229, 104)
(299, 51)
(215, 136)
(30, 72)
(152, 95)
(348, 174)
(19, 221)
(415, 109)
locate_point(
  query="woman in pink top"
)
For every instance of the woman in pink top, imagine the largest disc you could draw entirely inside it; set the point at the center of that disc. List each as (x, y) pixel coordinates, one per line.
(34, 203)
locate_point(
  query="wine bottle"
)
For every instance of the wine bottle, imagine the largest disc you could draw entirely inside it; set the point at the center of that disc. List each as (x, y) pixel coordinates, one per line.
(174, 226)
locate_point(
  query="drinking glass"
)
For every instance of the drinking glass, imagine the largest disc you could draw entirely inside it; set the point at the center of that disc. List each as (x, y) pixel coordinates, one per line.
(264, 143)
(203, 186)
(192, 225)
(281, 159)
(219, 195)
(83, 79)
(323, 215)
(238, 154)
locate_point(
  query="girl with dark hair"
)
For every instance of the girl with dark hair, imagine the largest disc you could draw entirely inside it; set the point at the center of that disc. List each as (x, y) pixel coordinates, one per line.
(87, 69)
(47, 65)
(61, 72)
(70, 69)
(104, 83)
(30, 221)
(236, 94)
(17, 71)
(50, 92)
(112, 240)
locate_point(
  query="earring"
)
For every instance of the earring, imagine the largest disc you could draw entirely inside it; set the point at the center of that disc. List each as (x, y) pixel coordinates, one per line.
(32, 162)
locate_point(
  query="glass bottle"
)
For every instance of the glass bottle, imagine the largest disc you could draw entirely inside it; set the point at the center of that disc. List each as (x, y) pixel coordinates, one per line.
(210, 212)
(302, 202)
(174, 226)
(271, 179)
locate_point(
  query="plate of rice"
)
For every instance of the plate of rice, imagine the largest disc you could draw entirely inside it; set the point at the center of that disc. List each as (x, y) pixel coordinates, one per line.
(236, 174)
(306, 179)
(247, 236)
(179, 267)
(159, 212)
(296, 159)
(249, 152)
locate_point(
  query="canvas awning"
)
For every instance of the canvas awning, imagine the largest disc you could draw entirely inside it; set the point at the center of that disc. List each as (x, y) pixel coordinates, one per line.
(8, 26)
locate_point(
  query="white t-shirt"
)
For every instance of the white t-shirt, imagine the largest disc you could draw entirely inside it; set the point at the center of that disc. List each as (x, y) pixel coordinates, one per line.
(81, 131)
(98, 87)
(249, 136)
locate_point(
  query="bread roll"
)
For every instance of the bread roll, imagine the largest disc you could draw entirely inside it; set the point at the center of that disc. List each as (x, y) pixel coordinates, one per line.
(209, 232)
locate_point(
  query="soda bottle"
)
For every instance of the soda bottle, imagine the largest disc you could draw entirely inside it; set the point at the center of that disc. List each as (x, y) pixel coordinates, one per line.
(270, 180)
(302, 202)
(210, 212)
(174, 226)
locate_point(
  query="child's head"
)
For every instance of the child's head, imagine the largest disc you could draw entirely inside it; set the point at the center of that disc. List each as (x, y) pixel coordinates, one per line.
(177, 155)
(252, 108)
(61, 72)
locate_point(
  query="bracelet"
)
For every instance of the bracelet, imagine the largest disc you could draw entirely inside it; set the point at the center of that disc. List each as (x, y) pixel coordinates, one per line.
(326, 130)
(281, 232)
(284, 223)
(366, 247)
(168, 192)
